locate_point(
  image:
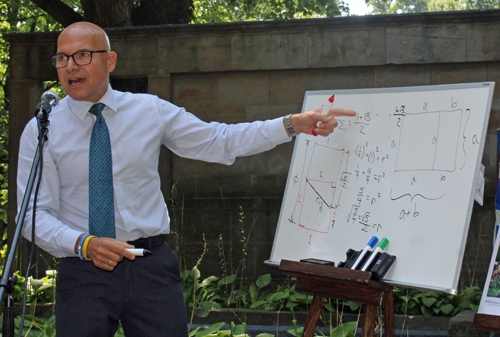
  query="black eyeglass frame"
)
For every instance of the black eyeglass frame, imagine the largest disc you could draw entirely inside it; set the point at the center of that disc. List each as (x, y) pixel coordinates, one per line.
(54, 61)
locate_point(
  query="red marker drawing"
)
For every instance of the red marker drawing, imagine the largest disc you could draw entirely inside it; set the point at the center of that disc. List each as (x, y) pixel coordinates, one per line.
(325, 111)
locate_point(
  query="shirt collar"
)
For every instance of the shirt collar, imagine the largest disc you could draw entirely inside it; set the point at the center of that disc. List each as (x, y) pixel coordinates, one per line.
(81, 108)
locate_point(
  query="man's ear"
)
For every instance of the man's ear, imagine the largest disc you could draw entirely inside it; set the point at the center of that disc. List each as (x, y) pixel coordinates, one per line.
(111, 61)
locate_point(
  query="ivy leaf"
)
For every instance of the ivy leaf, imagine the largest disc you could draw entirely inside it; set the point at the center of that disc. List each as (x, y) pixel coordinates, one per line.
(297, 332)
(344, 330)
(465, 303)
(226, 280)
(277, 296)
(210, 329)
(253, 291)
(263, 281)
(258, 304)
(426, 311)
(429, 301)
(446, 309)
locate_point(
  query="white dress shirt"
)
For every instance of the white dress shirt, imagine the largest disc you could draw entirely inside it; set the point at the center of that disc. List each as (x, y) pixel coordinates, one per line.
(138, 125)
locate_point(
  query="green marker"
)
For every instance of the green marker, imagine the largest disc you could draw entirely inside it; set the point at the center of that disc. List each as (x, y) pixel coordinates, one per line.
(376, 253)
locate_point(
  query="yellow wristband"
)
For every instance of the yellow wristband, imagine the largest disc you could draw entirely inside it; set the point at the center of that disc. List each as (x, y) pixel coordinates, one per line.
(84, 247)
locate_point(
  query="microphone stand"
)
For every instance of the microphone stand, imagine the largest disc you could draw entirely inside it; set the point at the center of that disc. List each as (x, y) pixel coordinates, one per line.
(9, 280)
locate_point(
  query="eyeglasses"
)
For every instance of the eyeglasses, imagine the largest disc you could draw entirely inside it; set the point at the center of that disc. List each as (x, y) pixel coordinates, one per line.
(81, 58)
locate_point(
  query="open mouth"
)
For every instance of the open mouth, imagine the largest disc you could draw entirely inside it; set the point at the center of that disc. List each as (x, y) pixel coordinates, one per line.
(73, 81)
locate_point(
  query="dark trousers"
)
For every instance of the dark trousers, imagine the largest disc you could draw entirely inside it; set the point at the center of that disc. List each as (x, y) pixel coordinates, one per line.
(145, 295)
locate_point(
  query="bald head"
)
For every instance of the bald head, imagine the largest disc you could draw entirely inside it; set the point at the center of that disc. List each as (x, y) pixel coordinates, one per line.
(95, 33)
(88, 80)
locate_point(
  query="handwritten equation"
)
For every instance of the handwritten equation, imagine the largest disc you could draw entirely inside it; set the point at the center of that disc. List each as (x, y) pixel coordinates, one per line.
(411, 147)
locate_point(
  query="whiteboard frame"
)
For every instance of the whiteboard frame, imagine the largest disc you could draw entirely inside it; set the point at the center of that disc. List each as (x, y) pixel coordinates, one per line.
(490, 85)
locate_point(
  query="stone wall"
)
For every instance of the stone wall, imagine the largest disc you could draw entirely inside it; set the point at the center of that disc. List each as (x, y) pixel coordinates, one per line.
(259, 70)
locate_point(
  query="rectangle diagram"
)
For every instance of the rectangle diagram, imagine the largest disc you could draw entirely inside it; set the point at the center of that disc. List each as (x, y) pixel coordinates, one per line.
(437, 134)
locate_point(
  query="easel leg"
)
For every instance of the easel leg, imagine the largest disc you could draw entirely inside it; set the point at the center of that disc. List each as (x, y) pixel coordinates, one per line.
(389, 315)
(313, 316)
(369, 315)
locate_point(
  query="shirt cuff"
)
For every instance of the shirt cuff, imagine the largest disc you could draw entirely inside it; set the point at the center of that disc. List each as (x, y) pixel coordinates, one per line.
(276, 130)
(69, 241)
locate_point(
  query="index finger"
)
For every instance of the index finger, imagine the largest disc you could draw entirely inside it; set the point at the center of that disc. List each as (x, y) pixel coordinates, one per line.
(341, 112)
(123, 250)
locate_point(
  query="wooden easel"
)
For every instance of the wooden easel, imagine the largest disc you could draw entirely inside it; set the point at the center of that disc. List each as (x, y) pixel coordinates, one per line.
(345, 284)
(486, 322)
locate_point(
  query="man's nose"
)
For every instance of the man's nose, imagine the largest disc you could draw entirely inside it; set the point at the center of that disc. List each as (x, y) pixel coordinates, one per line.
(71, 64)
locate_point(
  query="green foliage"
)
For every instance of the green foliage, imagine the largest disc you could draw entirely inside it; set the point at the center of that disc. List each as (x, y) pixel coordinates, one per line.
(214, 293)
(343, 330)
(430, 303)
(210, 11)
(39, 327)
(214, 330)
(419, 6)
(39, 290)
(36, 327)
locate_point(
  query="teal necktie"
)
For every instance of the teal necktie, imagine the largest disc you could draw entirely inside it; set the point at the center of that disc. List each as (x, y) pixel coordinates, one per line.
(101, 206)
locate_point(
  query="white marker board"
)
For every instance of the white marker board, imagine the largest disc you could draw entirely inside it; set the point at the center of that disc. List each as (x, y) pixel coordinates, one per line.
(404, 168)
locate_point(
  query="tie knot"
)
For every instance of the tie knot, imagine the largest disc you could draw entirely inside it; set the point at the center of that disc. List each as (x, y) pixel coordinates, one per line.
(96, 109)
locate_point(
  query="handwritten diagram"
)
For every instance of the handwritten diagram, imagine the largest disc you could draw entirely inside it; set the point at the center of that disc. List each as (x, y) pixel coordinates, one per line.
(438, 135)
(403, 168)
(316, 192)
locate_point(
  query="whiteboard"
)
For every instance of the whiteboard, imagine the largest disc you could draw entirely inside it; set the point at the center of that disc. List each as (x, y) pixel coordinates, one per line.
(403, 168)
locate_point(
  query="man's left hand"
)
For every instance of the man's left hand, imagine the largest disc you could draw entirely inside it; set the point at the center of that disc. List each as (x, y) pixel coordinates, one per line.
(306, 122)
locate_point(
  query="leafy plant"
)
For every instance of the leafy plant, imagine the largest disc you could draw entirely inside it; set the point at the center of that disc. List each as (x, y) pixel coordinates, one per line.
(343, 330)
(429, 303)
(214, 293)
(39, 327)
(35, 327)
(214, 330)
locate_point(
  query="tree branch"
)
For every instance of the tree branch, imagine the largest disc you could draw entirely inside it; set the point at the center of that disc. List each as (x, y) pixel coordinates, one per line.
(61, 12)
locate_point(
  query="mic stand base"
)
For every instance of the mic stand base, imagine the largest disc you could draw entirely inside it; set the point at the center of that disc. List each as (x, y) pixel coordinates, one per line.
(8, 317)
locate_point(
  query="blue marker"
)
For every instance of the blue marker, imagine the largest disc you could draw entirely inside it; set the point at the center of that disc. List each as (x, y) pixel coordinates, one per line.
(365, 251)
(376, 252)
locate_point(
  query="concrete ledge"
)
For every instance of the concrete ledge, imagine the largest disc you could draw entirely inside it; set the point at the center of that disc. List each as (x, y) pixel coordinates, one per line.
(462, 325)
(402, 323)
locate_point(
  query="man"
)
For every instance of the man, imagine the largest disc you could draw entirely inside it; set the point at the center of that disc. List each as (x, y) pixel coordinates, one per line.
(145, 294)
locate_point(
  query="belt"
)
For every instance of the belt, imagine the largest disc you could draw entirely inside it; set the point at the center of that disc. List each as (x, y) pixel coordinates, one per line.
(149, 242)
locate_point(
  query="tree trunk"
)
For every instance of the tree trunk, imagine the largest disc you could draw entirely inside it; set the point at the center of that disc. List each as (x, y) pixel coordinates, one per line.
(108, 13)
(61, 12)
(160, 12)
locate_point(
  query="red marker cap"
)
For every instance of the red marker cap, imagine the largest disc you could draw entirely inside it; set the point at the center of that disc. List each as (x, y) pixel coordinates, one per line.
(331, 99)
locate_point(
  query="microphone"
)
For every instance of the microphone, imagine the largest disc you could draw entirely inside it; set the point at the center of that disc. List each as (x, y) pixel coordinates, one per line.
(49, 99)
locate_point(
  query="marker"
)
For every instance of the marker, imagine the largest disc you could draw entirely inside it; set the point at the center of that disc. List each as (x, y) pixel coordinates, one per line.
(139, 251)
(325, 110)
(365, 251)
(380, 248)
